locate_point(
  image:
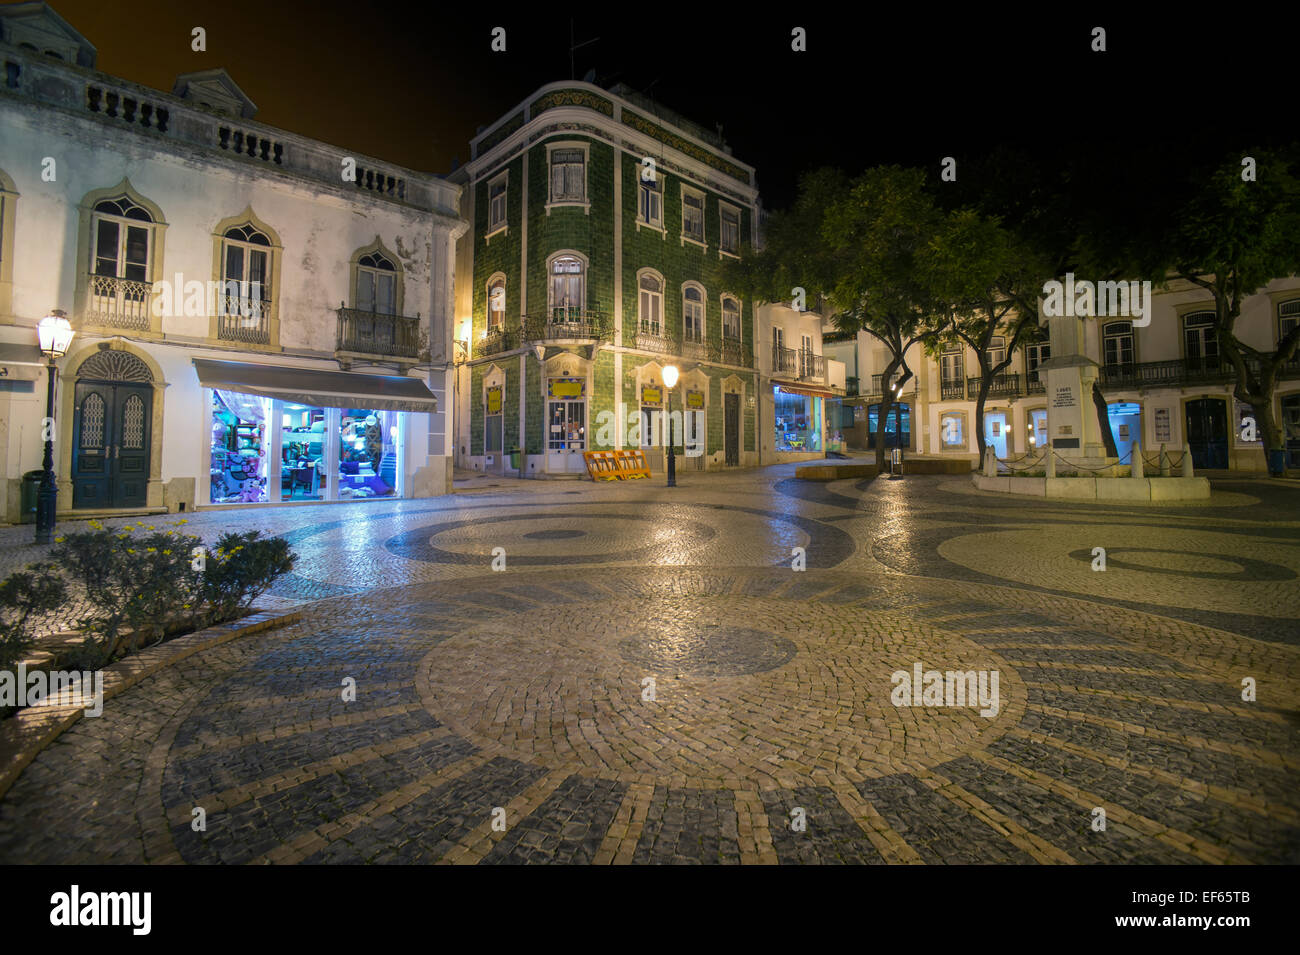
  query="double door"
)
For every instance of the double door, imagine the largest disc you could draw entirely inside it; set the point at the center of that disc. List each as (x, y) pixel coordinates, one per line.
(110, 450)
(1207, 432)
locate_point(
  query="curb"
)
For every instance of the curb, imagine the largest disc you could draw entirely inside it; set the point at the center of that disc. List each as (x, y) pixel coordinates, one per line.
(30, 730)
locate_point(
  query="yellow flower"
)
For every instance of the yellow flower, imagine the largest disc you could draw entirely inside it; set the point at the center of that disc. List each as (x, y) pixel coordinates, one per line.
(130, 551)
(150, 550)
(167, 552)
(59, 540)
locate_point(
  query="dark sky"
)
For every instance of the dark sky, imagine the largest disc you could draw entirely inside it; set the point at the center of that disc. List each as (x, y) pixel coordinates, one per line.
(900, 83)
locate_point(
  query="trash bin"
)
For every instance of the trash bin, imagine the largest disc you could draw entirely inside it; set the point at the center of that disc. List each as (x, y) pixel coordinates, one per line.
(1277, 461)
(514, 458)
(31, 492)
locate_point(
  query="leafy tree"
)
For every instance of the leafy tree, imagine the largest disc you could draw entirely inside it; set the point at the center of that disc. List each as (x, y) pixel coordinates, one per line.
(856, 242)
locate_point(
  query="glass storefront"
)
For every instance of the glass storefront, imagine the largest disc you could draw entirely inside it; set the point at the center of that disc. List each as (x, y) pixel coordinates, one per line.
(322, 453)
(303, 453)
(898, 426)
(239, 448)
(367, 453)
(798, 421)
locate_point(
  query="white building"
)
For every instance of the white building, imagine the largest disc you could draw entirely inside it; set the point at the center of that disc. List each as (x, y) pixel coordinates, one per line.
(260, 317)
(1164, 384)
(799, 388)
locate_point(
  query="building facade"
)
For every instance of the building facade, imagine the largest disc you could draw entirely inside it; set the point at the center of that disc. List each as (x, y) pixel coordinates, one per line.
(1164, 384)
(801, 386)
(600, 225)
(260, 317)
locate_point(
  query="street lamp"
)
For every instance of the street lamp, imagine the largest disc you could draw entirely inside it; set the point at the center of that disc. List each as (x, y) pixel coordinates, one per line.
(670, 381)
(55, 334)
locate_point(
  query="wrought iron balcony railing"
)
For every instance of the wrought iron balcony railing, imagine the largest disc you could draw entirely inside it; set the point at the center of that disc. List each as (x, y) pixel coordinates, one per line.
(651, 337)
(850, 386)
(1002, 386)
(118, 303)
(731, 351)
(553, 325)
(784, 360)
(242, 319)
(694, 348)
(373, 333)
(812, 366)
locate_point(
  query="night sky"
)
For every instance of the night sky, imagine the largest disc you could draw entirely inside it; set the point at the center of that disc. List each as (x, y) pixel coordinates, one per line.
(886, 84)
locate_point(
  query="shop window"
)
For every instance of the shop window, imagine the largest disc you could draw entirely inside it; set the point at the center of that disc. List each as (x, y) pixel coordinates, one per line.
(898, 425)
(797, 421)
(367, 453)
(303, 453)
(240, 445)
(952, 431)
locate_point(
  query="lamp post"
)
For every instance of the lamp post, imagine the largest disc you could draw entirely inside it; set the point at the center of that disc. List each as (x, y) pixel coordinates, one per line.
(55, 334)
(670, 381)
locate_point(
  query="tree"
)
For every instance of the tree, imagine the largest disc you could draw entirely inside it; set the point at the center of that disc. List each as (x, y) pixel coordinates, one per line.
(1224, 227)
(989, 280)
(856, 243)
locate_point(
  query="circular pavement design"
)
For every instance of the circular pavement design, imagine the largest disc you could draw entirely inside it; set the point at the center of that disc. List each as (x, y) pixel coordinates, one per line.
(525, 692)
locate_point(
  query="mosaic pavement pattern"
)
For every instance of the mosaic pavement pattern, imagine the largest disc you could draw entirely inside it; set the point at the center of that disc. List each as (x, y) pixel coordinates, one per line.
(648, 681)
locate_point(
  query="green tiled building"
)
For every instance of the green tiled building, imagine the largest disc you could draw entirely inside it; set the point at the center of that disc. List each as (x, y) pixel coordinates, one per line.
(600, 225)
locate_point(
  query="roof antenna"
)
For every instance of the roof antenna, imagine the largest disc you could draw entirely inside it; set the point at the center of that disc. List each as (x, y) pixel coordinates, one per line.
(576, 46)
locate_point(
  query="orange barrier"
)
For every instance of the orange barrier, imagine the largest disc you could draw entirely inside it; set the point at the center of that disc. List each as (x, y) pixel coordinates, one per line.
(602, 465)
(631, 465)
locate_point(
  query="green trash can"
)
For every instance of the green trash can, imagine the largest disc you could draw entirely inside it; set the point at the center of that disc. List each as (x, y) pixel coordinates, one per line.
(30, 494)
(514, 458)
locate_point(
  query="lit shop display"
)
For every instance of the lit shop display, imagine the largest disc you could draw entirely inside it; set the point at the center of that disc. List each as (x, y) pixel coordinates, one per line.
(239, 448)
(798, 421)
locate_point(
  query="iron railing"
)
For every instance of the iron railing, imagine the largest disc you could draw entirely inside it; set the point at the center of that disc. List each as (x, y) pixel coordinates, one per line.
(118, 303)
(952, 389)
(1002, 386)
(372, 333)
(553, 325)
(244, 319)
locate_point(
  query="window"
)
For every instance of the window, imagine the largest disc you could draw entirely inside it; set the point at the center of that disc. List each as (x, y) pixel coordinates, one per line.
(1117, 344)
(246, 258)
(650, 203)
(1200, 342)
(693, 313)
(497, 203)
(496, 305)
(121, 238)
(651, 303)
(997, 352)
(731, 319)
(806, 357)
(1288, 316)
(693, 215)
(566, 289)
(376, 284)
(952, 430)
(568, 175)
(950, 366)
(492, 418)
(1035, 355)
(730, 241)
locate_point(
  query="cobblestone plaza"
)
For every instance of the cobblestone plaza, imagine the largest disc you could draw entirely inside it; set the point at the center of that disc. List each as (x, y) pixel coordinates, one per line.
(648, 679)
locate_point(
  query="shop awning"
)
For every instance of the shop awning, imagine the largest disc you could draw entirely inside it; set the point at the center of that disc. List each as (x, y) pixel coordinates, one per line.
(796, 388)
(326, 389)
(19, 362)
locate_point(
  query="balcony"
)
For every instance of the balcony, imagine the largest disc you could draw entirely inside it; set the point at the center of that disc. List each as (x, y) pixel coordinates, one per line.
(1035, 383)
(117, 303)
(557, 324)
(785, 361)
(850, 386)
(695, 348)
(244, 320)
(731, 351)
(1182, 371)
(1002, 386)
(651, 337)
(952, 390)
(372, 333)
(812, 367)
(804, 365)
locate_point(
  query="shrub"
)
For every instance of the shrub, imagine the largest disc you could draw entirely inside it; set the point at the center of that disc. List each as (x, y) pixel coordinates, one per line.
(240, 571)
(25, 594)
(138, 583)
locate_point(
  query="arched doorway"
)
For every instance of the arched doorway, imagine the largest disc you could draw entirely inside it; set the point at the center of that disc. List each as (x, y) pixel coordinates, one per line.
(111, 431)
(1207, 432)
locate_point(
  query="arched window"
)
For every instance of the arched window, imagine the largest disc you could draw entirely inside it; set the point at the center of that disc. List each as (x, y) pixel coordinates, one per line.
(376, 284)
(693, 313)
(567, 291)
(496, 309)
(650, 303)
(121, 240)
(246, 263)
